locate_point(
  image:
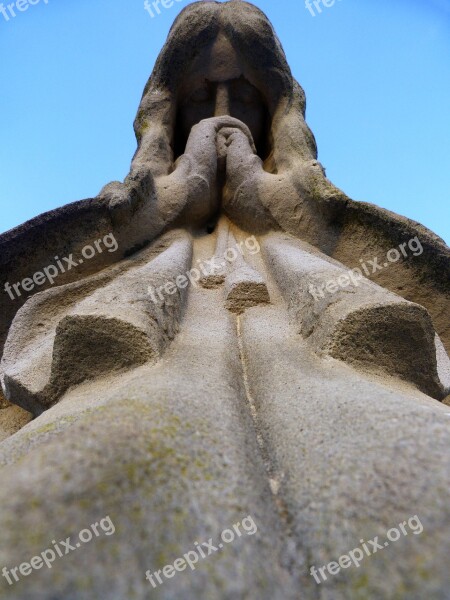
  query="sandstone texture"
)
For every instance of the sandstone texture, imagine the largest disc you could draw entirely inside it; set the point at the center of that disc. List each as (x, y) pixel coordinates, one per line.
(243, 343)
(12, 418)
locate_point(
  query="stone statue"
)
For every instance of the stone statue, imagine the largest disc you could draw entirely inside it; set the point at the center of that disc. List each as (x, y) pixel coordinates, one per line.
(255, 343)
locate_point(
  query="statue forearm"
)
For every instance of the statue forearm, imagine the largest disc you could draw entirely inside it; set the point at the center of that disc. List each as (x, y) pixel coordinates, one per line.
(38, 244)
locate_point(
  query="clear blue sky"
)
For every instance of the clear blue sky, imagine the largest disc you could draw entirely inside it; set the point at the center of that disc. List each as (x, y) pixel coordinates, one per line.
(376, 74)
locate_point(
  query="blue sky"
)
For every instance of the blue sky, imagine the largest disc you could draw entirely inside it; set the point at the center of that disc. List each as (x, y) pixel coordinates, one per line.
(376, 74)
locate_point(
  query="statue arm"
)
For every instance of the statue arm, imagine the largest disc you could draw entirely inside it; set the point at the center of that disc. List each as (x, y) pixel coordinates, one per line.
(146, 205)
(303, 202)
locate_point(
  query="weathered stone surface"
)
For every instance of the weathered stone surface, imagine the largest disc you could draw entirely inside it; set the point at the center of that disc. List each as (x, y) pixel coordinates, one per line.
(290, 192)
(244, 286)
(76, 336)
(353, 319)
(12, 419)
(352, 461)
(313, 413)
(172, 460)
(216, 270)
(3, 401)
(443, 364)
(181, 455)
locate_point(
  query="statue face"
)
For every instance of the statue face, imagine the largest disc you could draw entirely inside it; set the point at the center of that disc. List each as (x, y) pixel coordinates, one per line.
(216, 86)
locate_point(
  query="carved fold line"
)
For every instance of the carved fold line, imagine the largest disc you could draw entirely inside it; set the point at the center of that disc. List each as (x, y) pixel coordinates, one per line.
(363, 325)
(244, 286)
(216, 276)
(116, 327)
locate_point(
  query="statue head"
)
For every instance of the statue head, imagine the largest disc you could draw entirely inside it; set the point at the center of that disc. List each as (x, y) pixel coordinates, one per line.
(222, 58)
(215, 85)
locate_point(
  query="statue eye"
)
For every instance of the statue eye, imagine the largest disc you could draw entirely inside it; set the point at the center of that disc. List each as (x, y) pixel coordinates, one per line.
(202, 94)
(245, 93)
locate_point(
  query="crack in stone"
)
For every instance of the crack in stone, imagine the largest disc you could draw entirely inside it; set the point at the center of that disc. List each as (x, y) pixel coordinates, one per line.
(274, 477)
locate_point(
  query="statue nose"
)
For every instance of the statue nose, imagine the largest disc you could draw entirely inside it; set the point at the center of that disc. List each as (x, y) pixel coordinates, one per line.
(222, 100)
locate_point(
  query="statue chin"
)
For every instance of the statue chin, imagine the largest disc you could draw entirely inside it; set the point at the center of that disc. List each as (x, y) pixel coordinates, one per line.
(257, 360)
